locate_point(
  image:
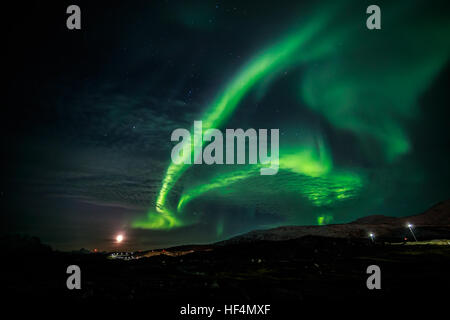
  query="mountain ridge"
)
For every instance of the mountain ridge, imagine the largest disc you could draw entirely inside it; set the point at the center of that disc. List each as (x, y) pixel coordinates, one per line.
(433, 223)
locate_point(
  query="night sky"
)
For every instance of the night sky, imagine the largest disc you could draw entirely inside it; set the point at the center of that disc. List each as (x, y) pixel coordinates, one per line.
(86, 123)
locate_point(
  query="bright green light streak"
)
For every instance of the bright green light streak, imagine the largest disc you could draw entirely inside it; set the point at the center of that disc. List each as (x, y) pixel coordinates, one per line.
(307, 160)
(337, 186)
(323, 187)
(324, 219)
(219, 181)
(273, 58)
(160, 220)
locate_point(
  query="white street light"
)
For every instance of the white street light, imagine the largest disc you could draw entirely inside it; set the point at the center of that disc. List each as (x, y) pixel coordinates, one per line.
(412, 232)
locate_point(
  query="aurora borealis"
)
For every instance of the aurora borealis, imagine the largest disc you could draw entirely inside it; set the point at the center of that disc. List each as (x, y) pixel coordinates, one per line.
(347, 93)
(362, 116)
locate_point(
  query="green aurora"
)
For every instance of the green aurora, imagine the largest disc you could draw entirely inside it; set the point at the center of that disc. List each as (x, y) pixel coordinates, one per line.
(364, 84)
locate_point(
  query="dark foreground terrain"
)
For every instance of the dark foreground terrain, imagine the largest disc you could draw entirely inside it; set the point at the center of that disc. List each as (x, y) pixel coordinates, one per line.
(291, 268)
(294, 273)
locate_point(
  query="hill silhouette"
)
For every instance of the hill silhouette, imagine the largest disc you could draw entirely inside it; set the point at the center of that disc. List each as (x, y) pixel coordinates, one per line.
(434, 223)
